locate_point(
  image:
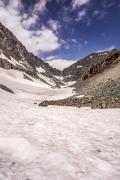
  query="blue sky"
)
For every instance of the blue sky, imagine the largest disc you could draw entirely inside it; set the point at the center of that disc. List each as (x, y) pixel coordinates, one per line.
(63, 29)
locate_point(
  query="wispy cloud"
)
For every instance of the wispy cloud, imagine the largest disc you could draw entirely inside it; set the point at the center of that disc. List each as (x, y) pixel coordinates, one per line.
(99, 14)
(40, 6)
(54, 24)
(107, 49)
(109, 3)
(60, 63)
(79, 3)
(13, 16)
(81, 15)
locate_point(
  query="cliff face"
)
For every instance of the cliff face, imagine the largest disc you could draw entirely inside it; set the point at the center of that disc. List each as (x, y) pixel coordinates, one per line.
(13, 55)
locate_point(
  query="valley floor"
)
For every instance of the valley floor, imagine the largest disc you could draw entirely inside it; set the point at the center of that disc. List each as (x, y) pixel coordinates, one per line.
(57, 143)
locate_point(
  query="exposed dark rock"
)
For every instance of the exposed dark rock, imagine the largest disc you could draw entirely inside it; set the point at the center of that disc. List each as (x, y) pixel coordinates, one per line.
(5, 88)
(98, 150)
(35, 103)
(27, 77)
(44, 104)
(5, 64)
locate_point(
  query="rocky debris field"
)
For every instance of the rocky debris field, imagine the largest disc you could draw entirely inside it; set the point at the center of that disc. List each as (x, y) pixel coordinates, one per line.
(89, 101)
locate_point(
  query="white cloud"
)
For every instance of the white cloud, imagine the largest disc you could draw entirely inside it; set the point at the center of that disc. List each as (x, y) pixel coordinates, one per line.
(54, 24)
(66, 44)
(43, 39)
(81, 15)
(74, 41)
(60, 63)
(40, 6)
(29, 21)
(107, 49)
(99, 14)
(14, 6)
(79, 3)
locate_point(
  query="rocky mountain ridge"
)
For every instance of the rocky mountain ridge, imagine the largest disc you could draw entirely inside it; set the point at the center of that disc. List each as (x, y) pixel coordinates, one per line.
(13, 55)
(96, 81)
(94, 63)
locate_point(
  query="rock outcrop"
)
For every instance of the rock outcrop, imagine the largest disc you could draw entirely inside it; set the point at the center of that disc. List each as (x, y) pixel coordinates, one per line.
(5, 88)
(43, 104)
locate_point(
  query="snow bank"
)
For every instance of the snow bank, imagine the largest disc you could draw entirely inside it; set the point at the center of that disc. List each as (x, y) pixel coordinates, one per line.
(15, 81)
(58, 142)
(19, 149)
(37, 89)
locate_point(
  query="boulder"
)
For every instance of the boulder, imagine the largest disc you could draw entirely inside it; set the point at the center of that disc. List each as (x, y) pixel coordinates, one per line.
(35, 103)
(44, 104)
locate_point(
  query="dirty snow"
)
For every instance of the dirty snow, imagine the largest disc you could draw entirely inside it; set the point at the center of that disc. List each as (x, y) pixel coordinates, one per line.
(57, 143)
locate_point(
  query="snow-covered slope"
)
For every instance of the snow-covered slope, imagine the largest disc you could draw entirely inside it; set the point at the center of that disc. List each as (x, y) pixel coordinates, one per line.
(26, 86)
(13, 55)
(12, 65)
(57, 143)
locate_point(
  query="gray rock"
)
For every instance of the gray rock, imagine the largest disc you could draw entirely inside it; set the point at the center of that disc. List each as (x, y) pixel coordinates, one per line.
(5, 88)
(44, 104)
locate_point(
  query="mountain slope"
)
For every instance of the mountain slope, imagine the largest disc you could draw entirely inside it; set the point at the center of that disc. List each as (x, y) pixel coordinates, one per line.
(13, 55)
(92, 64)
(97, 74)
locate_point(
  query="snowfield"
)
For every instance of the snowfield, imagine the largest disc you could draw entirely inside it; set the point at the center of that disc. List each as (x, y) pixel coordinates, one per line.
(54, 143)
(34, 89)
(57, 143)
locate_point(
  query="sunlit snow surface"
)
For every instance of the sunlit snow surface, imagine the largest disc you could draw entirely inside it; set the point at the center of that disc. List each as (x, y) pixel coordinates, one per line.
(54, 143)
(57, 143)
(36, 89)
